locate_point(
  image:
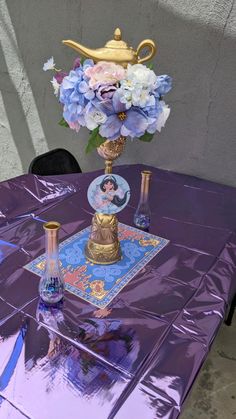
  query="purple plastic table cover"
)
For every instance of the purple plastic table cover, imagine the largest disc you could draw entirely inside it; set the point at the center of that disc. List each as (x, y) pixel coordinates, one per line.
(140, 355)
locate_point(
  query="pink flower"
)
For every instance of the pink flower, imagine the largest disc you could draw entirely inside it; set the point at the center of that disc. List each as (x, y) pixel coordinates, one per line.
(74, 125)
(76, 63)
(59, 76)
(104, 73)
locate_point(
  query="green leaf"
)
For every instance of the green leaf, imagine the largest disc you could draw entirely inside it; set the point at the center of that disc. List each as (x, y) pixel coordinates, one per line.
(63, 123)
(146, 137)
(82, 60)
(150, 66)
(95, 140)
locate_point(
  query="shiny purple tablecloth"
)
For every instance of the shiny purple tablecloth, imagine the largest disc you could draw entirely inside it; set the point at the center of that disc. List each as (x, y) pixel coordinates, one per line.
(140, 356)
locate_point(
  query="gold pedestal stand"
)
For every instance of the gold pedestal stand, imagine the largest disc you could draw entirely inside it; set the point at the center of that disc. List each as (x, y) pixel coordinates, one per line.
(103, 246)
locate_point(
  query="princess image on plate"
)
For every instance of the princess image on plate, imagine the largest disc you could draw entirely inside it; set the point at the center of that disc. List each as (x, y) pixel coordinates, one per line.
(108, 194)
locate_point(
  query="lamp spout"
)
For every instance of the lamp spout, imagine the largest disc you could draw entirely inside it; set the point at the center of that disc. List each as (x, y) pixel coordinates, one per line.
(86, 52)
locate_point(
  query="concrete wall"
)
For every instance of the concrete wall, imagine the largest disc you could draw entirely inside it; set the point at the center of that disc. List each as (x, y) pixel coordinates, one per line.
(196, 41)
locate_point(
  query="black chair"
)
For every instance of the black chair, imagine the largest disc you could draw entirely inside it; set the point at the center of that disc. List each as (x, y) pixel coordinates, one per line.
(229, 318)
(54, 162)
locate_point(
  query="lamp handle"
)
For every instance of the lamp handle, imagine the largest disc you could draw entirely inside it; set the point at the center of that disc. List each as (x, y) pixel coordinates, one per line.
(147, 43)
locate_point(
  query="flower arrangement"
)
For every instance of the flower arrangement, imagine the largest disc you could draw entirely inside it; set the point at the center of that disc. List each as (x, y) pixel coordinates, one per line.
(111, 101)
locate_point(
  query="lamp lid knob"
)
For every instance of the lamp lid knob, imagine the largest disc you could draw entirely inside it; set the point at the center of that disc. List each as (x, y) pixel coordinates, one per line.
(117, 34)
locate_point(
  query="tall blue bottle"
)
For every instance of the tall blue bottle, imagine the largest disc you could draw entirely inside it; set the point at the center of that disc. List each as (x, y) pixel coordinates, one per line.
(142, 216)
(51, 285)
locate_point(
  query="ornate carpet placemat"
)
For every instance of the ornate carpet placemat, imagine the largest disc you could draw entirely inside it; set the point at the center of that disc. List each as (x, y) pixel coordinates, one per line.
(99, 284)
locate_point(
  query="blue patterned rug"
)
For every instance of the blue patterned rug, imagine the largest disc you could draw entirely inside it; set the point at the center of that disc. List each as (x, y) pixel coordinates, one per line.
(99, 284)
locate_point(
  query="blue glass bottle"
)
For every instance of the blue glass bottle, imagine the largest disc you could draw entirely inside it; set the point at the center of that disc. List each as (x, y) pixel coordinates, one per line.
(142, 216)
(51, 285)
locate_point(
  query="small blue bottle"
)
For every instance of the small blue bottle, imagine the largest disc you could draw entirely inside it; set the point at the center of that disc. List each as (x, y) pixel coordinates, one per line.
(51, 285)
(142, 216)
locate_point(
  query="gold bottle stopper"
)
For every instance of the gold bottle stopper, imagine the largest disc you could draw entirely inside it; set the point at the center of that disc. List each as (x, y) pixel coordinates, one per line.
(145, 184)
(52, 229)
(116, 50)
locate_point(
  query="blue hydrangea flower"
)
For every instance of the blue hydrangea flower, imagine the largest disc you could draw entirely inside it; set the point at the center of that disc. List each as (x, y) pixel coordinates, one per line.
(75, 93)
(153, 113)
(157, 116)
(164, 85)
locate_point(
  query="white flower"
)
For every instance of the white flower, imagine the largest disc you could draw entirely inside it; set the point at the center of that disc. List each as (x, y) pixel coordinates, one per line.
(93, 117)
(128, 84)
(56, 86)
(135, 89)
(139, 74)
(136, 97)
(142, 98)
(125, 97)
(162, 118)
(49, 65)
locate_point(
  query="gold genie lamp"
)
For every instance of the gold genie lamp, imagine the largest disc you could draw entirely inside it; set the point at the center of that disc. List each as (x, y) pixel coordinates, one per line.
(103, 246)
(116, 50)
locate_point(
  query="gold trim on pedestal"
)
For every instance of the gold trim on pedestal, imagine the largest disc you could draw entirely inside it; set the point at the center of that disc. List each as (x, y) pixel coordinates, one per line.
(111, 150)
(103, 254)
(103, 246)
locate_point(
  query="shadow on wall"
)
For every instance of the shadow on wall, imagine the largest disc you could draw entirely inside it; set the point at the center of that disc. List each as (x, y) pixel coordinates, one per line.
(16, 117)
(22, 133)
(196, 44)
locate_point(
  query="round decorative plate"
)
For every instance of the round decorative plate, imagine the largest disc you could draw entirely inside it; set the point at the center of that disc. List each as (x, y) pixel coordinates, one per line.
(108, 194)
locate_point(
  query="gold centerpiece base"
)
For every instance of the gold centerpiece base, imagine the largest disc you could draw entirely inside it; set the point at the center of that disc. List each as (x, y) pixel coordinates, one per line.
(103, 246)
(102, 254)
